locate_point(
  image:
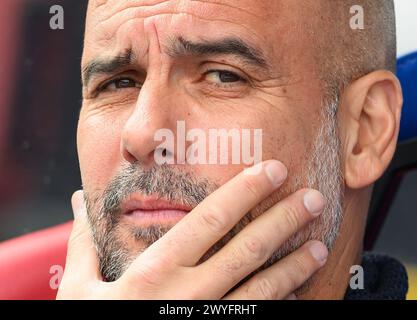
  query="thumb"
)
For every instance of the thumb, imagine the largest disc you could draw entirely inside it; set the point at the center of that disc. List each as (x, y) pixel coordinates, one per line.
(82, 260)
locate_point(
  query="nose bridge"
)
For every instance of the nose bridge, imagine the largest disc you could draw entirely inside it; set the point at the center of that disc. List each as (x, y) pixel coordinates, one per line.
(151, 113)
(157, 104)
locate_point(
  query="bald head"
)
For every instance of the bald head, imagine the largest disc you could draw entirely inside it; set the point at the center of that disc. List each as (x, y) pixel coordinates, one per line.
(345, 54)
(341, 54)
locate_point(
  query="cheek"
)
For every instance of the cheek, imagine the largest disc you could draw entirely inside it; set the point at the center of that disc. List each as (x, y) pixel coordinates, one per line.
(284, 137)
(289, 139)
(99, 152)
(287, 145)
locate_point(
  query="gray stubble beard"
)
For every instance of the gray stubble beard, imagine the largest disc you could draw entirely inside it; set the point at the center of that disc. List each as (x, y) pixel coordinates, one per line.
(323, 173)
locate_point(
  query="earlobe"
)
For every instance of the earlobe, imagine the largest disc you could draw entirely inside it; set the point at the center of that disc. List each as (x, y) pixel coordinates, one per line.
(371, 109)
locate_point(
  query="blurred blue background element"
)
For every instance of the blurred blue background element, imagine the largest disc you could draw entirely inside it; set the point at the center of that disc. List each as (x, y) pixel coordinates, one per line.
(407, 72)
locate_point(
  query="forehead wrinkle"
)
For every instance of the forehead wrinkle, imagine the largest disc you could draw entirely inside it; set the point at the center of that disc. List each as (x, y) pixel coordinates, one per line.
(107, 37)
(104, 33)
(196, 8)
(179, 5)
(224, 3)
(111, 35)
(122, 6)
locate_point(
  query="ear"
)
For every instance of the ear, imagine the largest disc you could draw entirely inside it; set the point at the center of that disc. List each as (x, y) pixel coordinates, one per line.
(369, 122)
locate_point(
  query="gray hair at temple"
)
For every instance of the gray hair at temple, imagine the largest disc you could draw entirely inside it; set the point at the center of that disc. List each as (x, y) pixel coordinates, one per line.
(346, 54)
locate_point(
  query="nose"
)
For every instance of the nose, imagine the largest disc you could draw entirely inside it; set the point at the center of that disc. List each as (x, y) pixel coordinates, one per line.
(152, 112)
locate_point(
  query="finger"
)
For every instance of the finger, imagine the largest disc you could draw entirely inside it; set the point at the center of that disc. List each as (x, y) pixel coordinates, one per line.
(193, 236)
(82, 261)
(285, 276)
(257, 242)
(292, 296)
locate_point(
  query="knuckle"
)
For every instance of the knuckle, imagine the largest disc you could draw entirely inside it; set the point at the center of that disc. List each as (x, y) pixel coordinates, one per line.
(297, 274)
(300, 268)
(233, 264)
(150, 273)
(255, 248)
(215, 219)
(193, 294)
(146, 277)
(229, 266)
(291, 217)
(264, 289)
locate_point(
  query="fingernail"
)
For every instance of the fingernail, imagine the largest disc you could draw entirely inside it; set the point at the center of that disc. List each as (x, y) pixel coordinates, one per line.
(276, 172)
(292, 296)
(319, 251)
(314, 202)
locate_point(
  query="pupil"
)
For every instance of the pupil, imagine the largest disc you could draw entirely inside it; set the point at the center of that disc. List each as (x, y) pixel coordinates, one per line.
(228, 77)
(124, 83)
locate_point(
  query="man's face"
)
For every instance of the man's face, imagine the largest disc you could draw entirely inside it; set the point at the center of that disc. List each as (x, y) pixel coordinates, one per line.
(210, 65)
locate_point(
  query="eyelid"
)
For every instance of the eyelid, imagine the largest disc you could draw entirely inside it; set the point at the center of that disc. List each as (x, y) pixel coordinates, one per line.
(102, 86)
(101, 80)
(224, 70)
(223, 66)
(243, 81)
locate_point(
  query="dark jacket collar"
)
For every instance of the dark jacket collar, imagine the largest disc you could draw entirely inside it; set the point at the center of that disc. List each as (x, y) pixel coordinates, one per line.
(384, 279)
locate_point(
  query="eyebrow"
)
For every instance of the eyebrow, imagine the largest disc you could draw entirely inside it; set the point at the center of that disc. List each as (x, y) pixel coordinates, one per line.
(178, 48)
(107, 65)
(228, 46)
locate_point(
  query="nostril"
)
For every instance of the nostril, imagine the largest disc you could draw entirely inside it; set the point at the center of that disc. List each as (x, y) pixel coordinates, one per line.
(129, 157)
(163, 156)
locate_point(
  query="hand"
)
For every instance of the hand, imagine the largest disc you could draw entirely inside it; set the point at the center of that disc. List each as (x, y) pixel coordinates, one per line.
(169, 268)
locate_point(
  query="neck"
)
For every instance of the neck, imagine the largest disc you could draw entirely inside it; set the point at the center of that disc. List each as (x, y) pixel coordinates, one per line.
(332, 280)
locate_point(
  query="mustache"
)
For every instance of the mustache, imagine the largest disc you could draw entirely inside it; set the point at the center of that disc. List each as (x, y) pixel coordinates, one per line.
(165, 182)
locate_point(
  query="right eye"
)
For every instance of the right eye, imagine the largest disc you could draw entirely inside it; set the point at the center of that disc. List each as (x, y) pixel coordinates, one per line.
(119, 84)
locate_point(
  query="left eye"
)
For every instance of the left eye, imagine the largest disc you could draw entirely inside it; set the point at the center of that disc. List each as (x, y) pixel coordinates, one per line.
(222, 76)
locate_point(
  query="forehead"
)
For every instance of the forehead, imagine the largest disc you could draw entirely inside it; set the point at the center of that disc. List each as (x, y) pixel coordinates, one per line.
(114, 23)
(203, 8)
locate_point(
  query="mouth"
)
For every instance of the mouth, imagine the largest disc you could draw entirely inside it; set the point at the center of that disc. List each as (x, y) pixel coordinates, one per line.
(149, 210)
